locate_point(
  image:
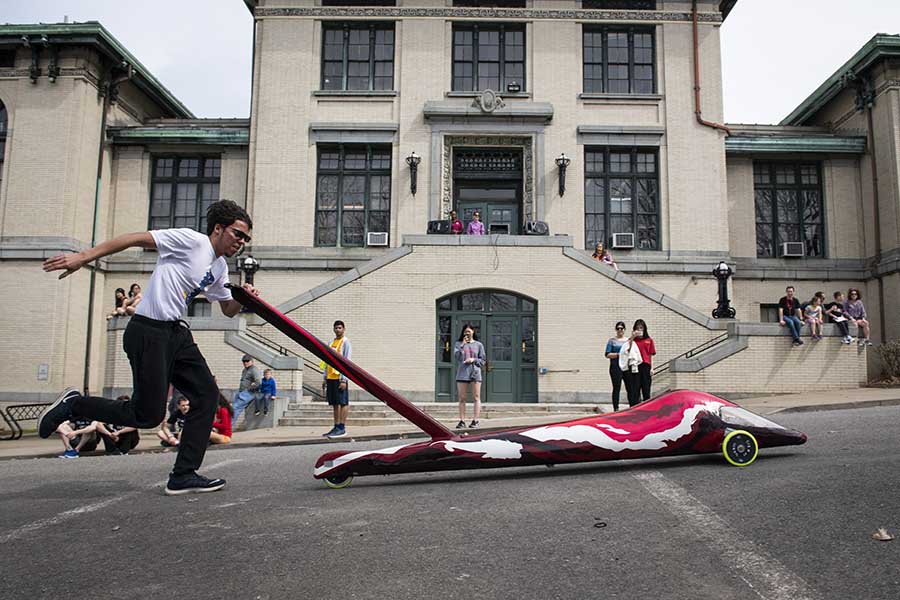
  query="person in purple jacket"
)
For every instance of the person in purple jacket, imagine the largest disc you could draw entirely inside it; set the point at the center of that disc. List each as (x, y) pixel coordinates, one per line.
(476, 227)
(855, 310)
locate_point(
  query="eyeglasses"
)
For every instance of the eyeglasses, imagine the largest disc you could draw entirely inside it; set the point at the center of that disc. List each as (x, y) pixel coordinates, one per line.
(240, 235)
(620, 329)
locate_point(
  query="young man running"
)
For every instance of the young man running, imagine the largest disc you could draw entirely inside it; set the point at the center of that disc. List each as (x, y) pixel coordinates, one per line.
(159, 343)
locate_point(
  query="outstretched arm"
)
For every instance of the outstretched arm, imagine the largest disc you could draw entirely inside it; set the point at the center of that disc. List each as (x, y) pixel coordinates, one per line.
(69, 263)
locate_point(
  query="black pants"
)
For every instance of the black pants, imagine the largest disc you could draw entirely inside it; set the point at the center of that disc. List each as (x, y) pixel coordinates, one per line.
(127, 442)
(644, 379)
(615, 375)
(632, 387)
(843, 327)
(162, 352)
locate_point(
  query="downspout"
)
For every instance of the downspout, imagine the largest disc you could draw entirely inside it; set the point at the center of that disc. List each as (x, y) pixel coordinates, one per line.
(697, 112)
(111, 83)
(250, 120)
(877, 217)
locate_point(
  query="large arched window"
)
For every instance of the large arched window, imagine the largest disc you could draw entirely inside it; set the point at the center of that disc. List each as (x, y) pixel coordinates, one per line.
(3, 122)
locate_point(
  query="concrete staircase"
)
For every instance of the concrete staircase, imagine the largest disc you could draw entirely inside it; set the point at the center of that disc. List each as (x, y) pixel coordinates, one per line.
(367, 414)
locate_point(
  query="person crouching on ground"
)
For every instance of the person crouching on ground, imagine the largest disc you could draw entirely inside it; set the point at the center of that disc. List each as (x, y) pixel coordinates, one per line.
(221, 432)
(170, 431)
(77, 435)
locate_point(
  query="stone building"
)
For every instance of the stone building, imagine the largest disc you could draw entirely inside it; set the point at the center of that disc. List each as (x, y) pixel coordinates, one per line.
(371, 119)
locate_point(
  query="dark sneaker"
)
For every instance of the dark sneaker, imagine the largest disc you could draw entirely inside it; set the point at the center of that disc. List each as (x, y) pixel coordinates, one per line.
(192, 484)
(473, 424)
(338, 432)
(57, 413)
(256, 413)
(330, 432)
(800, 342)
(461, 425)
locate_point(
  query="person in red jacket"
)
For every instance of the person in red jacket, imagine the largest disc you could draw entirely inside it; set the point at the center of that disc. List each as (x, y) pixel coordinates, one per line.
(641, 337)
(221, 431)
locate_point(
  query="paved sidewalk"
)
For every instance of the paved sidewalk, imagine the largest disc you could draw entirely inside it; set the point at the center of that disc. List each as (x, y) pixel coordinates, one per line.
(31, 446)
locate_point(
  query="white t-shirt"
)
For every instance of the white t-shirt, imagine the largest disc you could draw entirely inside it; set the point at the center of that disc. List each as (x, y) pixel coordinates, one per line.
(187, 266)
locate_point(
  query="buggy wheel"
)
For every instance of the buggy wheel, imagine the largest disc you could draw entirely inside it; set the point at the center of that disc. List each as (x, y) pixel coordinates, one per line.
(337, 482)
(740, 448)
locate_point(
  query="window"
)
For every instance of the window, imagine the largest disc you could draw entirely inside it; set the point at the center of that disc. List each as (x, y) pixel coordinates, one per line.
(183, 188)
(490, 3)
(788, 199)
(3, 122)
(768, 313)
(200, 308)
(358, 56)
(488, 57)
(621, 195)
(7, 59)
(619, 4)
(618, 61)
(353, 194)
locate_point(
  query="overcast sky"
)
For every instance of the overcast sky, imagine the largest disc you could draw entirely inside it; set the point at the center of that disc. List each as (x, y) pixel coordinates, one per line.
(774, 52)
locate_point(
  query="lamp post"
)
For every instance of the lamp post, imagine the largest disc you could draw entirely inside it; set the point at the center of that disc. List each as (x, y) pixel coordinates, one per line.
(723, 309)
(248, 266)
(413, 161)
(562, 161)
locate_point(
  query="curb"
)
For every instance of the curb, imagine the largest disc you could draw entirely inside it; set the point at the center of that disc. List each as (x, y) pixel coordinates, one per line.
(838, 406)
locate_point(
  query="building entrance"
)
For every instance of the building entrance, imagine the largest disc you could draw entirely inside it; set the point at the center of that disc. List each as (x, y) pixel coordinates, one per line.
(507, 326)
(489, 181)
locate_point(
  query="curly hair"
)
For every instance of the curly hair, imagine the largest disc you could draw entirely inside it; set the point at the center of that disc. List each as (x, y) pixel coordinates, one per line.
(224, 213)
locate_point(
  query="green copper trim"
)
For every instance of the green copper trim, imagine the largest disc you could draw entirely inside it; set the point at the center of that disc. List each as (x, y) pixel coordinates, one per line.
(220, 136)
(93, 33)
(772, 144)
(880, 46)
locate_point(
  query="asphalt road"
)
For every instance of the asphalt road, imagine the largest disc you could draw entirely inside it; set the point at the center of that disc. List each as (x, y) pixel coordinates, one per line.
(796, 524)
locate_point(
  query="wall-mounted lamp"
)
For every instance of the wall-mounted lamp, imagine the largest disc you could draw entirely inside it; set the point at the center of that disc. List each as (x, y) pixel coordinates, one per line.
(562, 161)
(248, 266)
(413, 161)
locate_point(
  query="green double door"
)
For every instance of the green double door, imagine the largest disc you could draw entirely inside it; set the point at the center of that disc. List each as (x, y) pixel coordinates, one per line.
(497, 203)
(510, 373)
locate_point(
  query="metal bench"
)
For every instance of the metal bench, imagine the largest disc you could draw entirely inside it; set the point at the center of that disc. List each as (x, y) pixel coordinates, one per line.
(20, 412)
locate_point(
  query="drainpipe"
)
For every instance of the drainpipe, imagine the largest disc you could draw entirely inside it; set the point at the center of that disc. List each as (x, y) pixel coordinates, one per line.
(111, 84)
(877, 216)
(697, 112)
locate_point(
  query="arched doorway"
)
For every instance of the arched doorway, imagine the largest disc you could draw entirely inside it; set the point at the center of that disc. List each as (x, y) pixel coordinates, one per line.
(506, 323)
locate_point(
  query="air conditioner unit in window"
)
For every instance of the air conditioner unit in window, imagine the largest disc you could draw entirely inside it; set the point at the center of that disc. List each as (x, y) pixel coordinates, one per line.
(623, 240)
(377, 238)
(792, 249)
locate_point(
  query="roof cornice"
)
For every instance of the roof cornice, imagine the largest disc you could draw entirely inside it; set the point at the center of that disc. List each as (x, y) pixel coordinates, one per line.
(94, 34)
(880, 46)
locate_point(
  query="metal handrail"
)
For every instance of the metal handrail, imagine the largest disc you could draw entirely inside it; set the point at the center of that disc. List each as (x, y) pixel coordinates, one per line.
(692, 352)
(283, 351)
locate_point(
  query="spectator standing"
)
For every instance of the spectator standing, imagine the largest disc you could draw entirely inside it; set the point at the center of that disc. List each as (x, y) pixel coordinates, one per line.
(160, 347)
(170, 431)
(645, 345)
(222, 432)
(469, 352)
(789, 314)
(814, 314)
(613, 346)
(456, 226)
(335, 383)
(476, 227)
(629, 363)
(267, 392)
(119, 310)
(835, 311)
(855, 310)
(248, 390)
